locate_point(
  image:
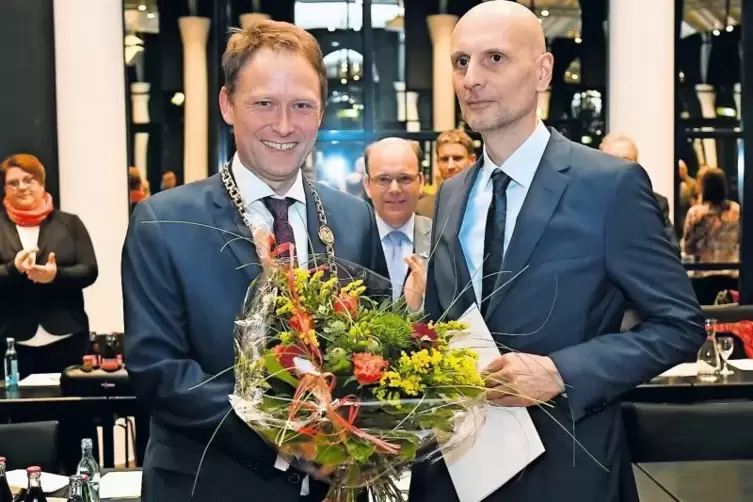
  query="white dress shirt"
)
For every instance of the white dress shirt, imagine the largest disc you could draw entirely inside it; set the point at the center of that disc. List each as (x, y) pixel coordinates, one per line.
(29, 237)
(399, 269)
(521, 167)
(254, 190)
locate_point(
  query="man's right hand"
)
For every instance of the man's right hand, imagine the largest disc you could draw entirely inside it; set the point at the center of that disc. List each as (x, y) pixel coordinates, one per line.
(25, 259)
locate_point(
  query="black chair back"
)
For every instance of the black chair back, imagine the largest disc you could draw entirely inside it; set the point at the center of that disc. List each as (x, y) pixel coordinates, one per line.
(659, 432)
(706, 288)
(30, 443)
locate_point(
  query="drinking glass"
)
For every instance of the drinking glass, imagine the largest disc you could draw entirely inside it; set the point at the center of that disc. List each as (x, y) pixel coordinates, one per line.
(726, 347)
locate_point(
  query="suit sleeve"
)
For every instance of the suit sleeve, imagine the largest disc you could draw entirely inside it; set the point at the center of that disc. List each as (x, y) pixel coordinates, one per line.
(85, 271)
(640, 261)
(164, 373)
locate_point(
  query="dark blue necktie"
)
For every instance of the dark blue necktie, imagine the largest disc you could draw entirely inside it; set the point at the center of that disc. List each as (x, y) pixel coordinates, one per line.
(494, 237)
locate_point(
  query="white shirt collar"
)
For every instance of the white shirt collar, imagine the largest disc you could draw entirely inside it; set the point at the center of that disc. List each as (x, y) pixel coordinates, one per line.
(522, 164)
(385, 229)
(253, 189)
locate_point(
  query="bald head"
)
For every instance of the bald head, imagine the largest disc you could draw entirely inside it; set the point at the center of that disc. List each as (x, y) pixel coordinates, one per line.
(620, 146)
(500, 65)
(510, 19)
(394, 180)
(408, 151)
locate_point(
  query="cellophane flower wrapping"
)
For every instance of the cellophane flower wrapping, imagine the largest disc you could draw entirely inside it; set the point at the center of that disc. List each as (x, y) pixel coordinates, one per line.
(338, 377)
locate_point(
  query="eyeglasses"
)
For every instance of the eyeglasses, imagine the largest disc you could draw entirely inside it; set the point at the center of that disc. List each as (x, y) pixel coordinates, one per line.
(384, 181)
(16, 184)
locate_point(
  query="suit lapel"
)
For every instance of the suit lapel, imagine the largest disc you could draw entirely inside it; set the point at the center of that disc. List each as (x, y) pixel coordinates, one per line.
(235, 234)
(47, 230)
(449, 234)
(544, 194)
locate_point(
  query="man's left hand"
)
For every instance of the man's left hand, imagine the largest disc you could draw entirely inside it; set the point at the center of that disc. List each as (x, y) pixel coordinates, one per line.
(518, 379)
(46, 273)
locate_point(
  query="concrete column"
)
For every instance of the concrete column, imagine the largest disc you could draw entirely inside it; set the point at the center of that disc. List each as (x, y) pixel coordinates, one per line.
(92, 142)
(140, 111)
(194, 32)
(440, 30)
(641, 84)
(251, 18)
(707, 98)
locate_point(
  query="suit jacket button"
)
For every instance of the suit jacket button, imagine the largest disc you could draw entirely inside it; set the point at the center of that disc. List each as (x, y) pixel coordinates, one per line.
(294, 478)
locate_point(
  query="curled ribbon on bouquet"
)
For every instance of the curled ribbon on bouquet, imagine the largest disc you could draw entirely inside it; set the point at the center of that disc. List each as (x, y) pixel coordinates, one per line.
(324, 410)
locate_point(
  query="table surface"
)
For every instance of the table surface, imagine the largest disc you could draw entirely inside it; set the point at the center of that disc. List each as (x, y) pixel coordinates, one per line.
(740, 380)
(728, 481)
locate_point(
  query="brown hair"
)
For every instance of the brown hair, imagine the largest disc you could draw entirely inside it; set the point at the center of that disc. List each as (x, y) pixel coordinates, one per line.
(27, 163)
(275, 35)
(456, 137)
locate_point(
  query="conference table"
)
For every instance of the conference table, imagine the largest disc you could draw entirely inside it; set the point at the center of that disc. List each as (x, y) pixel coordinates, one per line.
(658, 482)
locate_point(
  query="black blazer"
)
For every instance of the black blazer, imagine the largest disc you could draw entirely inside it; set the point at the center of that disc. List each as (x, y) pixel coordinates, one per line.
(59, 305)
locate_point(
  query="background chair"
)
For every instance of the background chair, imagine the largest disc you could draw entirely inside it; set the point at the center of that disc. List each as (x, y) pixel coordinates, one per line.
(31, 443)
(689, 432)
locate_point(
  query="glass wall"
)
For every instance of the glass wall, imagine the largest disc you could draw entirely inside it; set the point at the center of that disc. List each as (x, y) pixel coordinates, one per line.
(709, 142)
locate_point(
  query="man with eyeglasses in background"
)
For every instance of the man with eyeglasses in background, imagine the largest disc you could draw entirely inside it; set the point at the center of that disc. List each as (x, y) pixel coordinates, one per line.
(393, 182)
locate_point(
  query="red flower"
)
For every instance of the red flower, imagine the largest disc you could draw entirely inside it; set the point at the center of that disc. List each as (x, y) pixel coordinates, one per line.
(368, 368)
(302, 323)
(346, 304)
(286, 354)
(423, 334)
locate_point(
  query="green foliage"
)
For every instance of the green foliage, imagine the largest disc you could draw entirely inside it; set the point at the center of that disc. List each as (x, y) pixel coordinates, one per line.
(275, 370)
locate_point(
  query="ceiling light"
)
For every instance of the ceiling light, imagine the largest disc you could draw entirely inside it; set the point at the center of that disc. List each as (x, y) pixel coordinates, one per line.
(142, 7)
(151, 15)
(716, 32)
(729, 28)
(544, 12)
(578, 40)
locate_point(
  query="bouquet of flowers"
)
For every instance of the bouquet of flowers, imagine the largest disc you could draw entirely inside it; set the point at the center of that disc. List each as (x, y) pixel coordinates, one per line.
(333, 373)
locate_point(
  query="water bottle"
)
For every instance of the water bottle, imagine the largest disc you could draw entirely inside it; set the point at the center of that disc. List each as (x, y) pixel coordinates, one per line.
(11, 366)
(89, 467)
(709, 362)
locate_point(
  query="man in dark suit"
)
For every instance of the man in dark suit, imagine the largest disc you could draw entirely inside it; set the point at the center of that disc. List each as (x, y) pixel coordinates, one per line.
(184, 284)
(552, 240)
(393, 182)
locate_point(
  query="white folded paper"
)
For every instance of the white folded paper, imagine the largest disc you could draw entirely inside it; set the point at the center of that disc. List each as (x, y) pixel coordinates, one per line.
(741, 364)
(120, 485)
(508, 440)
(41, 380)
(682, 370)
(19, 479)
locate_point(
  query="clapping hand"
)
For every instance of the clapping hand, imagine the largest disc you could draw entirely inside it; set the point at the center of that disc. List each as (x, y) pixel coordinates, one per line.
(25, 259)
(415, 284)
(46, 273)
(518, 379)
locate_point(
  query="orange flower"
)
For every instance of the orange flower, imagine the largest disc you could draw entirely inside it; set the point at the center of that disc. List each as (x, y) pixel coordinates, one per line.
(302, 322)
(368, 368)
(346, 304)
(286, 355)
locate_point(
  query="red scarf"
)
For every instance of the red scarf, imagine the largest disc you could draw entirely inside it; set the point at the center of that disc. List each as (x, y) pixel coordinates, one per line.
(29, 217)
